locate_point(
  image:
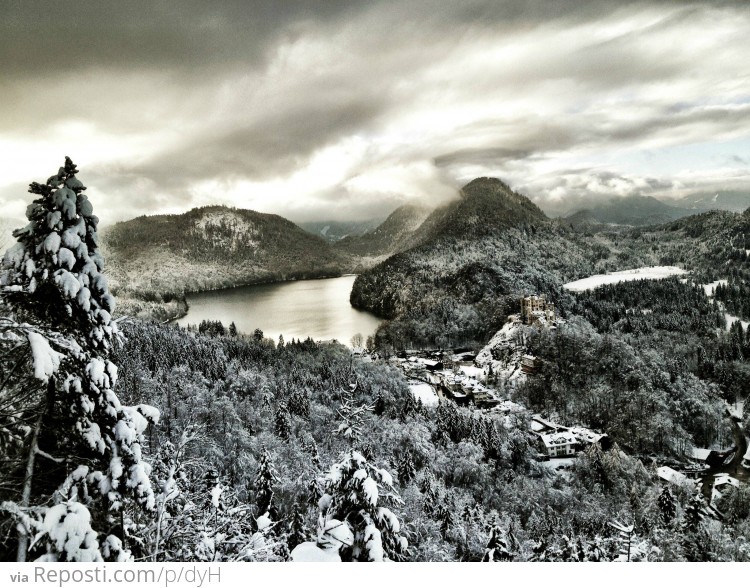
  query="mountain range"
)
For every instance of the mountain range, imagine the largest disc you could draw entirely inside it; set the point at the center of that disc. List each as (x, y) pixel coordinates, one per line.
(333, 231)
(482, 248)
(395, 234)
(630, 210)
(473, 258)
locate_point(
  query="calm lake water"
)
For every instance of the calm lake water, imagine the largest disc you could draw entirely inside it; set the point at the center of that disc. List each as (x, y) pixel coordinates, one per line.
(307, 308)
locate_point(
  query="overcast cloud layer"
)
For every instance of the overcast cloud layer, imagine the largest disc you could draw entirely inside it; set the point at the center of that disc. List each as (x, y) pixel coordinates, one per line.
(344, 110)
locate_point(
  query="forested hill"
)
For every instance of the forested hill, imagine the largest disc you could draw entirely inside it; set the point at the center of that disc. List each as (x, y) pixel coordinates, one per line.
(158, 258)
(477, 255)
(485, 206)
(474, 256)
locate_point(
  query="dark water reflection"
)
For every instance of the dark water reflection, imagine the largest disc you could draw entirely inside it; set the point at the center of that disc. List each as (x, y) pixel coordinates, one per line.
(309, 308)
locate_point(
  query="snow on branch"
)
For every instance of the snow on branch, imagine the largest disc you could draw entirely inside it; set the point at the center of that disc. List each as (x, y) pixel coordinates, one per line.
(46, 360)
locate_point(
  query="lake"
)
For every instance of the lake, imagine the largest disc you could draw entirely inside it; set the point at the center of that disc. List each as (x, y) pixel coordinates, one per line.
(307, 308)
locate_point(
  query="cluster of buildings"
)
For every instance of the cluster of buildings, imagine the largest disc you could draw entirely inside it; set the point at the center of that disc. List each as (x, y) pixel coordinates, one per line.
(453, 376)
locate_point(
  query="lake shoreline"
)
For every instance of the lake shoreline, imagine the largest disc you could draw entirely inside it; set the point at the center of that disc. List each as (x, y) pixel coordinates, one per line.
(262, 283)
(296, 308)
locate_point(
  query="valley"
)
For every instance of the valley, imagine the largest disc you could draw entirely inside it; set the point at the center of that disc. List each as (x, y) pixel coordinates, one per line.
(508, 374)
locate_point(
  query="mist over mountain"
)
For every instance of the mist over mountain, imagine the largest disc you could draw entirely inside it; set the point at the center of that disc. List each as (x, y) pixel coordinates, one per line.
(735, 201)
(390, 237)
(485, 206)
(630, 210)
(333, 231)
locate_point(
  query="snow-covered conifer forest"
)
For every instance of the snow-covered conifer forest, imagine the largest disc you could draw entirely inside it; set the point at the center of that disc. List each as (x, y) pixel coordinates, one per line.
(125, 439)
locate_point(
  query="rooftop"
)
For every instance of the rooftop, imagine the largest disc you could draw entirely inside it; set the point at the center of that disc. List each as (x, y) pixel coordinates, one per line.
(556, 439)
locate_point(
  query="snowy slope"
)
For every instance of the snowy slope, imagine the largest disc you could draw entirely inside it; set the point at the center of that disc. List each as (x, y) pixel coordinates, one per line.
(503, 352)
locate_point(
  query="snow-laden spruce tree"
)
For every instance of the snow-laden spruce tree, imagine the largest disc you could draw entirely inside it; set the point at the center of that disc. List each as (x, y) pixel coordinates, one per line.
(355, 523)
(265, 480)
(56, 298)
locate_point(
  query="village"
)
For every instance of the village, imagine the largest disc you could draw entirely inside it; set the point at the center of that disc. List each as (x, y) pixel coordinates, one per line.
(485, 381)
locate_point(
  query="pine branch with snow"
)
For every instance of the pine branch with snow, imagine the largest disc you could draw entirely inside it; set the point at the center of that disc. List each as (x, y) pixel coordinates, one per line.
(355, 518)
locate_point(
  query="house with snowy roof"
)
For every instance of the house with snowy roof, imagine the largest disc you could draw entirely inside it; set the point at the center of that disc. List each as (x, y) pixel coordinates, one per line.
(713, 458)
(588, 437)
(672, 476)
(432, 365)
(559, 444)
(541, 426)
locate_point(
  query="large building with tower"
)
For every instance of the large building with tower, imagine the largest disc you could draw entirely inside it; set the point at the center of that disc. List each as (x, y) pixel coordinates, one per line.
(536, 309)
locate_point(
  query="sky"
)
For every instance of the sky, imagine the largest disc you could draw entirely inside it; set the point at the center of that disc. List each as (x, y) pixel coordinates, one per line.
(344, 110)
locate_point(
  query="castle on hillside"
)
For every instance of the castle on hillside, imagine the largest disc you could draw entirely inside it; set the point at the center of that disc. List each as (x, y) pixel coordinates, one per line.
(535, 309)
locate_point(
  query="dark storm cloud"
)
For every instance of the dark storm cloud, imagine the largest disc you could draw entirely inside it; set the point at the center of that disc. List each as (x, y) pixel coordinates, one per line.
(42, 37)
(340, 107)
(266, 148)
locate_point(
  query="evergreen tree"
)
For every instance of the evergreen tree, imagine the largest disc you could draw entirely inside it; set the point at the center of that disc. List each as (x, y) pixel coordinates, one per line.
(299, 403)
(314, 491)
(352, 417)
(380, 405)
(265, 480)
(311, 448)
(405, 467)
(53, 283)
(283, 423)
(498, 546)
(445, 515)
(694, 543)
(358, 496)
(430, 493)
(298, 531)
(693, 514)
(409, 407)
(667, 506)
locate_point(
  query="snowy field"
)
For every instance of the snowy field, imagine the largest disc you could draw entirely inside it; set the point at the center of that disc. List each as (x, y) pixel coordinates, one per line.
(641, 273)
(425, 393)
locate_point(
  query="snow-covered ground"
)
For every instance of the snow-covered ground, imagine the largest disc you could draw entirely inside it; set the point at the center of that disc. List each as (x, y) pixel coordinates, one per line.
(557, 463)
(425, 393)
(709, 289)
(474, 372)
(507, 370)
(730, 319)
(641, 273)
